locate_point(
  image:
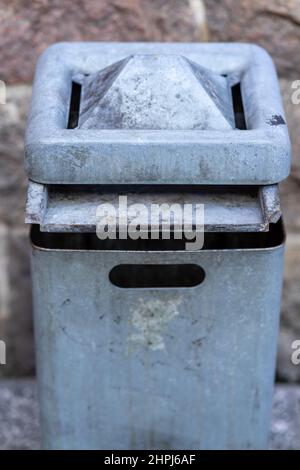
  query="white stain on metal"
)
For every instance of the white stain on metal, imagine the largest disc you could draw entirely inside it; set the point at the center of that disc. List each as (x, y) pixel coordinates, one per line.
(149, 320)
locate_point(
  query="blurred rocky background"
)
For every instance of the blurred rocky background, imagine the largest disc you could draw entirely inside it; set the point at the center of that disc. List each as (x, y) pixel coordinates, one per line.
(27, 27)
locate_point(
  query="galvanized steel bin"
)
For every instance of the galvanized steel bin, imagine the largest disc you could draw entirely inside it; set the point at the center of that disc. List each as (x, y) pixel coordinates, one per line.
(142, 344)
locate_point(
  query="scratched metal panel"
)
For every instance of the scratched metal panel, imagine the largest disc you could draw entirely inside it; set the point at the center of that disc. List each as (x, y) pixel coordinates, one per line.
(188, 368)
(69, 209)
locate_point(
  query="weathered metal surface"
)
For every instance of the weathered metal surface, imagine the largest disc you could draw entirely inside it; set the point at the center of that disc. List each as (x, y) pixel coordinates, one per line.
(37, 203)
(64, 209)
(270, 202)
(188, 368)
(258, 155)
(156, 91)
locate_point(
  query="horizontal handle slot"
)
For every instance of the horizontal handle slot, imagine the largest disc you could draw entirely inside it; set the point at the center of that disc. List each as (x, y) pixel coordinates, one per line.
(156, 275)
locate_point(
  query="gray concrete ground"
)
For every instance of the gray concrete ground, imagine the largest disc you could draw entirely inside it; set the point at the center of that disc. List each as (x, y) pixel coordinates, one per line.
(19, 420)
(285, 426)
(19, 427)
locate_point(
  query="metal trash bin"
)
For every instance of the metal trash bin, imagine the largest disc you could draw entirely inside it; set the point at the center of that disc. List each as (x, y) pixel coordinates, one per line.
(142, 344)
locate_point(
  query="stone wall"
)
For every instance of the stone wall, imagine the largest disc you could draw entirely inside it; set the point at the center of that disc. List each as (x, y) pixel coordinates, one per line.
(28, 27)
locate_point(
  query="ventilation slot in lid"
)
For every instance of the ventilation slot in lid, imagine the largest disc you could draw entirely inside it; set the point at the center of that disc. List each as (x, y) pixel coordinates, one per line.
(74, 105)
(238, 107)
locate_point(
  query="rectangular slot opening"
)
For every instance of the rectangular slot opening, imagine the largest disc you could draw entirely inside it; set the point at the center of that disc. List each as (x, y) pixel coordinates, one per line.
(238, 107)
(148, 276)
(212, 241)
(74, 105)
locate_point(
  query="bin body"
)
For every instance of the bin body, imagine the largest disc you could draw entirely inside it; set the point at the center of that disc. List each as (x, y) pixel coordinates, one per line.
(167, 368)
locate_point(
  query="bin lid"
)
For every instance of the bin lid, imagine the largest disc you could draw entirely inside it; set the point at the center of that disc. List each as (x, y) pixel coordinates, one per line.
(136, 113)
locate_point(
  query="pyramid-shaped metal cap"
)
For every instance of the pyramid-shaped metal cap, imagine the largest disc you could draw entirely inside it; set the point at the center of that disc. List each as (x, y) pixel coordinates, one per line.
(156, 91)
